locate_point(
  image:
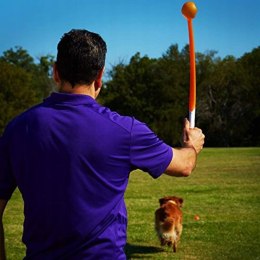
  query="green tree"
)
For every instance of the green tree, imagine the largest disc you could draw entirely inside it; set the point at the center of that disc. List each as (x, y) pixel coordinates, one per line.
(42, 77)
(16, 93)
(251, 66)
(223, 103)
(129, 89)
(19, 57)
(23, 82)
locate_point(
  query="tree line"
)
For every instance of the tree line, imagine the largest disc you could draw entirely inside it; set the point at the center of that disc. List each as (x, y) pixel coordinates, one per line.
(155, 91)
(23, 82)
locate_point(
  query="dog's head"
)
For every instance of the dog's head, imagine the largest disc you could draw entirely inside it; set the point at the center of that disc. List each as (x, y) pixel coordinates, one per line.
(176, 200)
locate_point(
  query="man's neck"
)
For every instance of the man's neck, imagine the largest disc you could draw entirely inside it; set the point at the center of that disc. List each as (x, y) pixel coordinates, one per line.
(88, 90)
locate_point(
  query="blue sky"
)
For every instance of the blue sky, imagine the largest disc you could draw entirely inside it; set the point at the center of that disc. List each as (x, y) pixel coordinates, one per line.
(230, 27)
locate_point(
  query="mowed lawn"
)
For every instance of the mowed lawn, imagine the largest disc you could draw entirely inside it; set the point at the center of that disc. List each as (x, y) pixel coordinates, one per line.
(224, 191)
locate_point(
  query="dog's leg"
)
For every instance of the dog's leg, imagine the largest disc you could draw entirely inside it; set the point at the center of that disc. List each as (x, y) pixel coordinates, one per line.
(178, 232)
(163, 242)
(175, 246)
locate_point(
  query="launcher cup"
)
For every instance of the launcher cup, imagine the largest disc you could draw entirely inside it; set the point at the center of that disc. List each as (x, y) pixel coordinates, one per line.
(189, 11)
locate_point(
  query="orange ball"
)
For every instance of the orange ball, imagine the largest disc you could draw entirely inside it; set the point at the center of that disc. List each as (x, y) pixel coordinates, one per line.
(189, 10)
(196, 217)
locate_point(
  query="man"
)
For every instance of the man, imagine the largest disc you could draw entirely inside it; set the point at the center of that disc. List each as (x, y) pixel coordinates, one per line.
(71, 159)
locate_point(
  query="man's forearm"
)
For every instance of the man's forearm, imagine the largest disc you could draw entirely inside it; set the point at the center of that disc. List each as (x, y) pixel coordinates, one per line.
(183, 162)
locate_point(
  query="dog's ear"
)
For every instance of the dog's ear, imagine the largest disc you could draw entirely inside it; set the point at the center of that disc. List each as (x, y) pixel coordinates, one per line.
(161, 201)
(180, 201)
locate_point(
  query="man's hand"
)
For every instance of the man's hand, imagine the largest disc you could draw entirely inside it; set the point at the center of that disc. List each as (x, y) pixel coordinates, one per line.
(192, 137)
(184, 159)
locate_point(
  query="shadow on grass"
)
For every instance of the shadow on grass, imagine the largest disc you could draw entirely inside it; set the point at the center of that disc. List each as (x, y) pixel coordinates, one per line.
(138, 251)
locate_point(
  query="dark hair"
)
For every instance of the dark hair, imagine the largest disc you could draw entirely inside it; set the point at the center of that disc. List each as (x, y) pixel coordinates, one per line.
(81, 55)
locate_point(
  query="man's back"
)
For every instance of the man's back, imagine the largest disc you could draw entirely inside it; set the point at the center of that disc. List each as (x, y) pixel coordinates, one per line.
(72, 160)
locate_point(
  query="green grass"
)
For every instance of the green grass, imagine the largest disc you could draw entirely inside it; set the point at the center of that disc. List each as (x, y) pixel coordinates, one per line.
(13, 225)
(224, 191)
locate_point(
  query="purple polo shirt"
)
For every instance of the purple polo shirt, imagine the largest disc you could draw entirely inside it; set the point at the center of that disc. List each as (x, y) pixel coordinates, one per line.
(71, 159)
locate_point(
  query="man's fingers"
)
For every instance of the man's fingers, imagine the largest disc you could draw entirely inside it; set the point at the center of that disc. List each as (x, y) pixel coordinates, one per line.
(186, 124)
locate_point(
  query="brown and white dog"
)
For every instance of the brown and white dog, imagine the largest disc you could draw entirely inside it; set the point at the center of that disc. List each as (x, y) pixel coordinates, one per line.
(168, 221)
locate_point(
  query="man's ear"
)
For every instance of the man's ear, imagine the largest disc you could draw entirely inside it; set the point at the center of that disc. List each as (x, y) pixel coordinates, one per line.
(98, 81)
(56, 76)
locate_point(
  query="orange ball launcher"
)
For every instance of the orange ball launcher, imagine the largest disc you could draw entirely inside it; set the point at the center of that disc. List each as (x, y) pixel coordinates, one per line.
(189, 11)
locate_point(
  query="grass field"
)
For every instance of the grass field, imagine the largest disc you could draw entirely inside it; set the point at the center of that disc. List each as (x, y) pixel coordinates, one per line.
(224, 191)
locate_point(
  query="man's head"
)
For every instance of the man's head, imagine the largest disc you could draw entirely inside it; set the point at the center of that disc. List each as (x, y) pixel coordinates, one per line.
(81, 57)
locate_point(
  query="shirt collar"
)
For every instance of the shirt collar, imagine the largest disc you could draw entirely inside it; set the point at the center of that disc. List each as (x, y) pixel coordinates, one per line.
(73, 99)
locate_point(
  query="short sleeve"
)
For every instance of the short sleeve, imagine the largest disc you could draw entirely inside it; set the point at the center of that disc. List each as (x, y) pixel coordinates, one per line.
(147, 151)
(7, 181)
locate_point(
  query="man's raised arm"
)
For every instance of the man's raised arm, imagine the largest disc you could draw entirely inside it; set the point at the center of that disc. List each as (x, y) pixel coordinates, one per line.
(184, 159)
